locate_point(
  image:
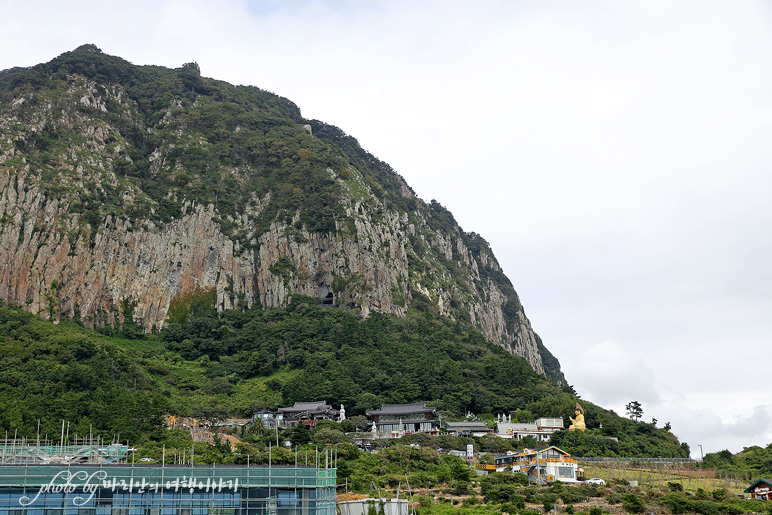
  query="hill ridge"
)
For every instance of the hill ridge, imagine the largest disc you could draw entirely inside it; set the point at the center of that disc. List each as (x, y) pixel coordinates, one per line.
(125, 189)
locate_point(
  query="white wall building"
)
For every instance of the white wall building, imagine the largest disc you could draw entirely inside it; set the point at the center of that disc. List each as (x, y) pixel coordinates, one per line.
(540, 465)
(541, 429)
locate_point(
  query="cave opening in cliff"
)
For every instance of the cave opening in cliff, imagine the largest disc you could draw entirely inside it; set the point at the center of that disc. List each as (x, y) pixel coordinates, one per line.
(325, 295)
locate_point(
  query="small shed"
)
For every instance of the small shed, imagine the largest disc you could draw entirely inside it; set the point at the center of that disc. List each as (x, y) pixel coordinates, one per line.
(761, 489)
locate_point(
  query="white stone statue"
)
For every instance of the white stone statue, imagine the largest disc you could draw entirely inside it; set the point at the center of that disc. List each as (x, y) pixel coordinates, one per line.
(342, 413)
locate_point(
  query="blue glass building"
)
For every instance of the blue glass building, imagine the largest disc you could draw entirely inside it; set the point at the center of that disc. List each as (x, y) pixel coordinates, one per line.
(166, 490)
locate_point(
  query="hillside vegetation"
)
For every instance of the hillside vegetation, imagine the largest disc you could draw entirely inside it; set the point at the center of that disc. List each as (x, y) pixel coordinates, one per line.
(213, 365)
(751, 463)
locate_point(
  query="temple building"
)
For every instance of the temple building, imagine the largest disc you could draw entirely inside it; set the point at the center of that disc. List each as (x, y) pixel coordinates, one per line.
(308, 413)
(400, 419)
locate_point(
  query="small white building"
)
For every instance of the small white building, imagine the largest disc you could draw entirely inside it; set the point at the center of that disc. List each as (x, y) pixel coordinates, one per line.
(540, 465)
(541, 429)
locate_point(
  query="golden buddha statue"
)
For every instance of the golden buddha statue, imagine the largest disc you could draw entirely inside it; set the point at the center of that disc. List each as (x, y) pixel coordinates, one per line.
(578, 422)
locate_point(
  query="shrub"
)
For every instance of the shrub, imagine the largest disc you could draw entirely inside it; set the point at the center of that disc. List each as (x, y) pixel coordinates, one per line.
(460, 488)
(516, 504)
(575, 495)
(425, 501)
(519, 478)
(596, 511)
(675, 503)
(705, 507)
(633, 503)
(530, 493)
(499, 493)
(719, 494)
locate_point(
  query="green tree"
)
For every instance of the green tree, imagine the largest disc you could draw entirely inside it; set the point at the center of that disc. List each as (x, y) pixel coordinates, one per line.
(254, 428)
(300, 435)
(634, 410)
(327, 435)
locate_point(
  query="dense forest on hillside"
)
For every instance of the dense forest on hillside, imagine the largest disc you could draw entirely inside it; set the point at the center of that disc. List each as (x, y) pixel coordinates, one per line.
(751, 462)
(213, 365)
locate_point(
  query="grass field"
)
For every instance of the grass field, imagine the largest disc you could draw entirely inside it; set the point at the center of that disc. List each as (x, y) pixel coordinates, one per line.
(657, 475)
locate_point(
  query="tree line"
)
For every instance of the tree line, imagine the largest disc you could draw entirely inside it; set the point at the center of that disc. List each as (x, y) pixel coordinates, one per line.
(213, 365)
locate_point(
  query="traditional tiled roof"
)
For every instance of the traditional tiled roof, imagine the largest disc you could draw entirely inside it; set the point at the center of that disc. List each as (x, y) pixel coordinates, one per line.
(401, 409)
(307, 406)
(470, 425)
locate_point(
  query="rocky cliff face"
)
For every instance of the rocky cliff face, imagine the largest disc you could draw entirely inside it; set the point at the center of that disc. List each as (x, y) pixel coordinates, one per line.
(103, 214)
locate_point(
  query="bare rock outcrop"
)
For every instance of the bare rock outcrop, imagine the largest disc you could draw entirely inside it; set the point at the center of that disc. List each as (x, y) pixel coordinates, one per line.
(99, 217)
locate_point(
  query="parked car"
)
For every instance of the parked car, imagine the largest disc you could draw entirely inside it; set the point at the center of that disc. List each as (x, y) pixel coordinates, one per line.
(595, 481)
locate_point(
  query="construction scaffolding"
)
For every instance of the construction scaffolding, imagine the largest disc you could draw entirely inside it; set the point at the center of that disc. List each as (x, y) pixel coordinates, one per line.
(21, 451)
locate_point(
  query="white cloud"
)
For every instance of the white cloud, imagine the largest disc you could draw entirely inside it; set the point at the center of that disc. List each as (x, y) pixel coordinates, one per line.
(716, 431)
(611, 375)
(703, 409)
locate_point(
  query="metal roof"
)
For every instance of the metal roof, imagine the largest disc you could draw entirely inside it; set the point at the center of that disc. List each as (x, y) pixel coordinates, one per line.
(468, 424)
(308, 406)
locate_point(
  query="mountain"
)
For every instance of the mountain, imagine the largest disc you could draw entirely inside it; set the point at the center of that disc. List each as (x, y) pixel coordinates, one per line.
(128, 192)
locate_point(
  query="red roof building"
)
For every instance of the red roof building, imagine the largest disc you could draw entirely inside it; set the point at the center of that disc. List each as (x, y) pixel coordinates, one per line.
(307, 413)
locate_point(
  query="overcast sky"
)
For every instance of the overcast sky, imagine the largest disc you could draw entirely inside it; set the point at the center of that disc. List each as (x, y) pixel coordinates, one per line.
(616, 155)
